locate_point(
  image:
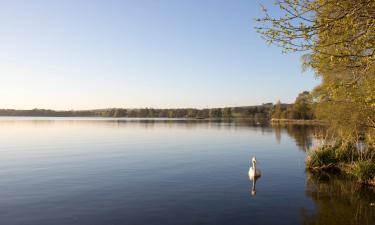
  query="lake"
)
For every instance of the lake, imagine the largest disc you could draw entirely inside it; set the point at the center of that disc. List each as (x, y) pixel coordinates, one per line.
(134, 171)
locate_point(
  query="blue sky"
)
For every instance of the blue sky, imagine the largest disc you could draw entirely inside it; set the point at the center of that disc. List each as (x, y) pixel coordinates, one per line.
(76, 54)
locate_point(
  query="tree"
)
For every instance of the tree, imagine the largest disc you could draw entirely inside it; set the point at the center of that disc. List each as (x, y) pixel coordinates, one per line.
(227, 112)
(203, 113)
(338, 39)
(303, 106)
(215, 113)
(171, 113)
(119, 113)
(192, 113)
(336, 31)
(276, 110)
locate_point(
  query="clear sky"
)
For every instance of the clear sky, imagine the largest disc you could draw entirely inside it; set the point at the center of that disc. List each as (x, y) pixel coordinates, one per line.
(76, 54)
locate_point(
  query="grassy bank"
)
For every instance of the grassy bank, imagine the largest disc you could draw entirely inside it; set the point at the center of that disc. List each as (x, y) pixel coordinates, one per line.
(359, 164)
(297, 122)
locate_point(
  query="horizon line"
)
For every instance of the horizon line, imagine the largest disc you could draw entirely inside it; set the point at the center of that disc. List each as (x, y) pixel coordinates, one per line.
(135, 108)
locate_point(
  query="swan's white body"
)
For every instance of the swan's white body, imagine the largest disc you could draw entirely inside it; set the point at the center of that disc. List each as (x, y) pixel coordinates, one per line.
(253, 171)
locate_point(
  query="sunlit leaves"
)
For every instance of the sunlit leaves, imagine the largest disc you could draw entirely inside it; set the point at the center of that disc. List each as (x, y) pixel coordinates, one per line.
(338, 38)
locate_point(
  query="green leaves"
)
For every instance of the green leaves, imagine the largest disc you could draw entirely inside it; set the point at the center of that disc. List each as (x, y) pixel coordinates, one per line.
(338, 37)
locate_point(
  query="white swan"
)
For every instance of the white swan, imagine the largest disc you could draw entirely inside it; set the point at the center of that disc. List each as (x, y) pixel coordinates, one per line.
(253, 171)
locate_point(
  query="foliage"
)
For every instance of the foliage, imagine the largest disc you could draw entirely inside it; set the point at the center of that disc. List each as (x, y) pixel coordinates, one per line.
(338, 38)
(260, 112)
(227, 112)
(359, 163)
(215, 113)
(277, 111)
(364, 171)
(336, 31)
(302, 109)
(321, 157)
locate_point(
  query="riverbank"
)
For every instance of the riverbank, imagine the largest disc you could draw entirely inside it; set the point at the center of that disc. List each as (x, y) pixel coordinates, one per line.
(359, 164)
(297, 122)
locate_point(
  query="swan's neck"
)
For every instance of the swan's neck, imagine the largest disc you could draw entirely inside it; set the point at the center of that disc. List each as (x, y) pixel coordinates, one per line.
(254, 167)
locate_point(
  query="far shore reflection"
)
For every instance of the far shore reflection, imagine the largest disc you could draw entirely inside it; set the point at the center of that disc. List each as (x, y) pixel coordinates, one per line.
(338, 201)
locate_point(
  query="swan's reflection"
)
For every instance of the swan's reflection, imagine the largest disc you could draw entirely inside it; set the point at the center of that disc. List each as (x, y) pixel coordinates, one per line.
(254, 181)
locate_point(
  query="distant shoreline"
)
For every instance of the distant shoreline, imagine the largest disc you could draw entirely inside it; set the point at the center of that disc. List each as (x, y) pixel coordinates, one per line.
(259, 121)
(255, 112)
(299, 122)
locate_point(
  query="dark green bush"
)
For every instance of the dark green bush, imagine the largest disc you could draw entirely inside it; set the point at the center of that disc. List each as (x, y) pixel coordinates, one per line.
(346, 154)
(322, 156)
(364, 171)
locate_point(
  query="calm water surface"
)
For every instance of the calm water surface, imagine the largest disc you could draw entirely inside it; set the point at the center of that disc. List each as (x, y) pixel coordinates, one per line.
(95, 171)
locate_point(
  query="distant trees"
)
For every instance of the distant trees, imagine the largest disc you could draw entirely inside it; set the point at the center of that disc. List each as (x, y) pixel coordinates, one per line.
(46, 112)
(192, 113)
(215, 113)
(203, 114)
(302, 109)
(120, 113)
(277, 111)
(227, 112)
(250, 112)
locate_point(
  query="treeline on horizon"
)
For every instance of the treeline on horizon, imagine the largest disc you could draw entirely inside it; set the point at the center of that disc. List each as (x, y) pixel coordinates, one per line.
(256, 112)
(301, 109)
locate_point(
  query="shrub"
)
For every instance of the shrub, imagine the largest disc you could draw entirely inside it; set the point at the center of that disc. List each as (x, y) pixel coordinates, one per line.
(347, 154)
(322, 156)
(364, 171)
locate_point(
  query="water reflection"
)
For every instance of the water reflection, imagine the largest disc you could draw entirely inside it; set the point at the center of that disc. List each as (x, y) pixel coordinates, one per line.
(253, 188)
(143, 122)
(304, 135)
(142, 171)
(338, 201)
